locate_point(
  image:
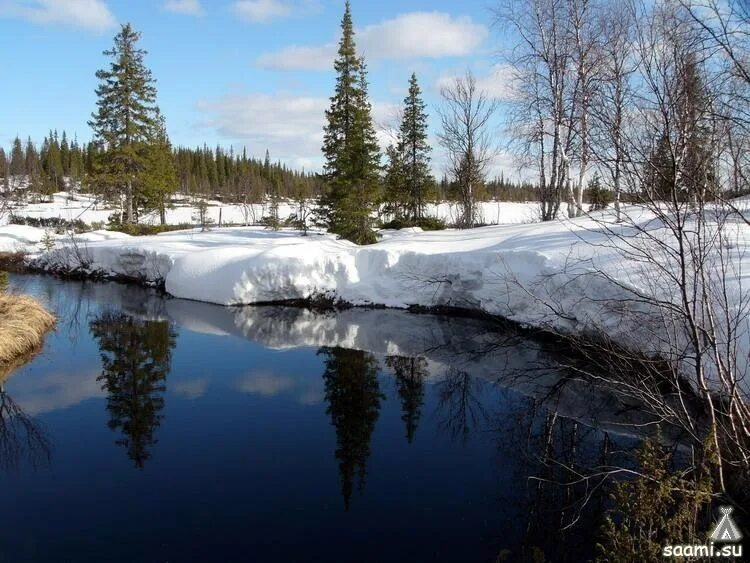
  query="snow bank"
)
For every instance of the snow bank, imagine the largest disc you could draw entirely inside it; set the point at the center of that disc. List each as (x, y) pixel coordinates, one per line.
(521, 272)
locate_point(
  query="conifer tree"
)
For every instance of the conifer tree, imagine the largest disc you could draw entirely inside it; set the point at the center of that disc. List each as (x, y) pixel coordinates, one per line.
(32, 159)
(77, 164)
(415, 152)
(350, 147)
(125, 120)
(33, 168)
(52, 162)
(159, 178)
(394, 196)
(17, 159)
(65, 154)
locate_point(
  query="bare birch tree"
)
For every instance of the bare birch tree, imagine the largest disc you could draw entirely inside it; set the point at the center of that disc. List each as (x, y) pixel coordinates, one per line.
(466, 118)
(587, 62)
(546, 94)
(614, 95)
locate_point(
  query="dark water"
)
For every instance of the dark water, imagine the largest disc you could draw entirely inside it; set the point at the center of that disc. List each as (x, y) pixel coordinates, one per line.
(155, 429)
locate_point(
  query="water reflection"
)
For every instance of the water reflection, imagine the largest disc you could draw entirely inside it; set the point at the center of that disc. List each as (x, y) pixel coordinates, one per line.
(462, 394)
(410, 373)
(136, 357)
(21, 437)
(565, 466)
(461, 407)
(353, 395)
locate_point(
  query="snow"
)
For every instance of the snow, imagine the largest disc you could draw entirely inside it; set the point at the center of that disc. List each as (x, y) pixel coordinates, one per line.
(83, 207)
(519, 271)
(19, 238)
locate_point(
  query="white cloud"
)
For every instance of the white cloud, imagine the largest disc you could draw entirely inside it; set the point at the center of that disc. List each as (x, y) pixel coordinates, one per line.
(187, 7)
(93, 15)
(497, 83)
(55, 391)
(265, 384)
(289, 126)
(425, 35)
(299, 58)
(261, 11)
(191, 388)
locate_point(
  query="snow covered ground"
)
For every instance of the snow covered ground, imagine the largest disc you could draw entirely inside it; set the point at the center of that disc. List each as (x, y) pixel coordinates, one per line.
(70, 207)
(494, 269)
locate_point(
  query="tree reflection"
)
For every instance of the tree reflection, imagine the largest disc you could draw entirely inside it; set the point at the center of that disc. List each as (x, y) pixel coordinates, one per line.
(136, 357)
(20, 435)
(460, 403)
(410, 374)
(353, 395)
(561, 462)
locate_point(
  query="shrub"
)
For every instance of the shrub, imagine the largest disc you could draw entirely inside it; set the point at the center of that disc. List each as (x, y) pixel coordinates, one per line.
(425, 223)
(271, 222)
(138, 230)
(656, 507)
(431, 224)
(3, 281)
(57, 224)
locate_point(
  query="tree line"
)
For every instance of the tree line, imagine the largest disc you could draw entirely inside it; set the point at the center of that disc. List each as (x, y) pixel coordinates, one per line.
(202, 171)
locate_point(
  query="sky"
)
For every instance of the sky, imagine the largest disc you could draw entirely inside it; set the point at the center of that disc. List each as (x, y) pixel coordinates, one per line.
(252, 73)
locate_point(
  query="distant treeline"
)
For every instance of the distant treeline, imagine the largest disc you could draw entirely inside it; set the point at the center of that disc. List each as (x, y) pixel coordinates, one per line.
(217, 173)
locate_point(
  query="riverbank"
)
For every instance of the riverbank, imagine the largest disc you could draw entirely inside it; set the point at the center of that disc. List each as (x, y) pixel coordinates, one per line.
(576, 276)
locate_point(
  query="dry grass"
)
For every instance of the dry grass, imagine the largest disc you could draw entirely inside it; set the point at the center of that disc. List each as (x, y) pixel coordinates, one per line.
(23, 325)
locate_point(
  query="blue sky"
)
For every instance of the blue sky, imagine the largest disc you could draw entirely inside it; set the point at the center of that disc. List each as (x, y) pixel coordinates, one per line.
(253, 73)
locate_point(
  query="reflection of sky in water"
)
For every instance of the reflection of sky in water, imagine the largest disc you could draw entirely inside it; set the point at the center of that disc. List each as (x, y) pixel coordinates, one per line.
(243, 460)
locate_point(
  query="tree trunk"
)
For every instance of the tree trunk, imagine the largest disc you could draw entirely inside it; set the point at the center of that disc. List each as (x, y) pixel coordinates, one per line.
(129, 204)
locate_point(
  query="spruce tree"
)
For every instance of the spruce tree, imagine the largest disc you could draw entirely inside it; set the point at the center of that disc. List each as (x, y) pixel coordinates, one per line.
(52, 163)
(65, 154)
(3, 164)
(394, 196)
(125, 120)
(350, 147)
(17, 159)
(32, 159)
(159, 178)
(77, 164)
(415, 152)
(33, 168)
